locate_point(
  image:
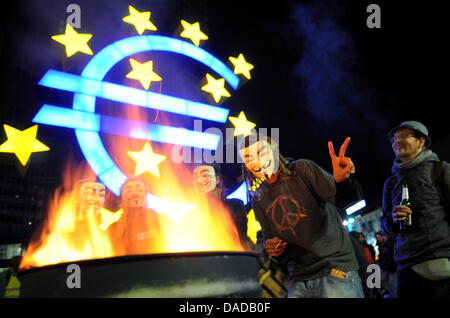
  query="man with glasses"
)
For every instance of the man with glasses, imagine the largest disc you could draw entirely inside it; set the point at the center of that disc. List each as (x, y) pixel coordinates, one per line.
(422, 249)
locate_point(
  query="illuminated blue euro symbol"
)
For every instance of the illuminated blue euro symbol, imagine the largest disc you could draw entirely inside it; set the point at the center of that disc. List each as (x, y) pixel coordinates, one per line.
(90, 85)
(124, 94)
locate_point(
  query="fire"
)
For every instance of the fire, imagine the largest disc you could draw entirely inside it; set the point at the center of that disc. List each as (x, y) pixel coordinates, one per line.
(69, 234)
(66, 234)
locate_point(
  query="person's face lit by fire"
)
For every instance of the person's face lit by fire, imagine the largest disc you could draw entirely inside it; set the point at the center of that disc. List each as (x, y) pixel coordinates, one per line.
(92, 196)
(406, 144)
(134, 195)
(205, 179)
(259, 158)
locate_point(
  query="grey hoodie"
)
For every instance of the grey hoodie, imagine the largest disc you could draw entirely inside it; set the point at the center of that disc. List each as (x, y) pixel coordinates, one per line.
(429, 236)
(301, 211)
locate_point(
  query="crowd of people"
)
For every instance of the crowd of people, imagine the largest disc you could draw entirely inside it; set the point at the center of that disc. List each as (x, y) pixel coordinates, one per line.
(298, 205)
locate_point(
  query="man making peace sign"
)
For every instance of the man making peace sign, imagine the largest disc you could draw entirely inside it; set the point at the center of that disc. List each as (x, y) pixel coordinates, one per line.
(295, 203)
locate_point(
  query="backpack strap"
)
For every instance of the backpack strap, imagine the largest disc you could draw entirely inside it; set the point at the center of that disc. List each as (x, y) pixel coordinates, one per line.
(438, 172)
(437, 179)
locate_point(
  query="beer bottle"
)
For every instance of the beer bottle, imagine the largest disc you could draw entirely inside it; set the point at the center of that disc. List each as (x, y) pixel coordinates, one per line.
(405, 202)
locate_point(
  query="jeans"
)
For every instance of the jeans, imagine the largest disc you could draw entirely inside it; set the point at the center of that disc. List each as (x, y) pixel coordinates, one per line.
(328, 287)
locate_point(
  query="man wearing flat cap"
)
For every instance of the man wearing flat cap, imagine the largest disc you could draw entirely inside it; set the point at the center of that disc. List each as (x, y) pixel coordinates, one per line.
(422, 246)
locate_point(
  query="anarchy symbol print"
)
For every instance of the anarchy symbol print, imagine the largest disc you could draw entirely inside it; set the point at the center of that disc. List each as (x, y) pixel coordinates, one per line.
(286, 213)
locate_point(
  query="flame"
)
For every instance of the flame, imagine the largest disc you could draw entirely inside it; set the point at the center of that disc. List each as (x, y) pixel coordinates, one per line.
(67, 234)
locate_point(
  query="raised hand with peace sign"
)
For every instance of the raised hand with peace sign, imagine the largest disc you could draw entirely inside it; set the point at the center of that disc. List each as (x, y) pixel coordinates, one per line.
(342, 166)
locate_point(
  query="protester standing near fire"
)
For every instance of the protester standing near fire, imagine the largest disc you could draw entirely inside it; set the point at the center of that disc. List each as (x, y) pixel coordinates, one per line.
(137, 228)
(90, 201)
(422, 249)
(295, 203)
(208, 181)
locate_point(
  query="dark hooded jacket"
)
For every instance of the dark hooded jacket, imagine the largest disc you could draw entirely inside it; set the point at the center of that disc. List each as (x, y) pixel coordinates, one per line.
(301, 211)
(429, 235)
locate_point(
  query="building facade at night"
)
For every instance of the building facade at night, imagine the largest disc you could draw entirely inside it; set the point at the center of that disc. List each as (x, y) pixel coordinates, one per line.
(23, 190)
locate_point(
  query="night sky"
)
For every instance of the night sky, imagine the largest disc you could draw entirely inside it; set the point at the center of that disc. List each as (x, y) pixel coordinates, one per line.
(320, 73)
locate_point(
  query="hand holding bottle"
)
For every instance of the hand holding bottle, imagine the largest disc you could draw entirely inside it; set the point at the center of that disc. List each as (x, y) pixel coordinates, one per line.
(400, 213)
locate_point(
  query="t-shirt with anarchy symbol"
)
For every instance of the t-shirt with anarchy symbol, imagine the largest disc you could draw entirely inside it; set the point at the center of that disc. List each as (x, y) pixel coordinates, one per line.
(301, 210)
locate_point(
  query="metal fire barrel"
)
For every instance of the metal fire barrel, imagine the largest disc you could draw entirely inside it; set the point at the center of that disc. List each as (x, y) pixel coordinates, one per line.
(171, 275)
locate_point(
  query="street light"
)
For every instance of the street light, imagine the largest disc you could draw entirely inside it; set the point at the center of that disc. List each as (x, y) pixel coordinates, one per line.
(356, 207)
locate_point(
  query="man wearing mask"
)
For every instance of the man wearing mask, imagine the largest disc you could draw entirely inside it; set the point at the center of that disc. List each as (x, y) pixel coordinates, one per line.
(295, 203)
(208, 181)
(91, 199)
(422, 247)
(138, 227)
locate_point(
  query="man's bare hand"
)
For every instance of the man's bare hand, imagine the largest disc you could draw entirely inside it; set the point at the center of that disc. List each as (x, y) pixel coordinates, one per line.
(400, 213)
(275, 246)
(342, 165)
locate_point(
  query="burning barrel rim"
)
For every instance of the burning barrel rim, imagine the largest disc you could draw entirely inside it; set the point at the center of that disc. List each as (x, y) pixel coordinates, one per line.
(217, 273)
(137, 257)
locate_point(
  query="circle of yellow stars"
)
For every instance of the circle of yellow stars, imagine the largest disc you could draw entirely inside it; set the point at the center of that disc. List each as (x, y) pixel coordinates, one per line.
(24, 143)
(75, 42)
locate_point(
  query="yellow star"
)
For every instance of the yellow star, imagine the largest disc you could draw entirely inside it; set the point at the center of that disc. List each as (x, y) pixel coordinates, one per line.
(143, 72)
(241, 125)
(140, 20)
(146, 160)
(73, 41)
(22, 143)
(215, 87)
(253, 226)
(192, 32)
(241, 66)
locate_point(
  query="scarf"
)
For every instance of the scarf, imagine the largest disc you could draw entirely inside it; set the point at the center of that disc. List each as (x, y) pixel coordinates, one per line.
(411, 163)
